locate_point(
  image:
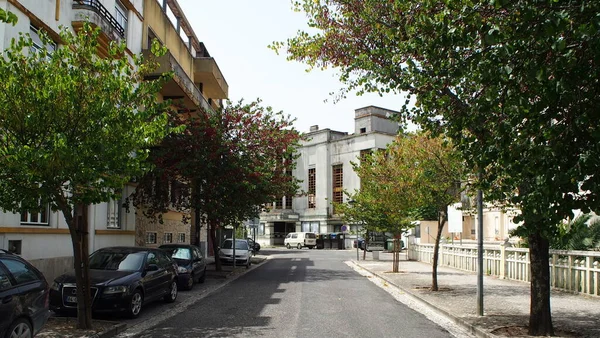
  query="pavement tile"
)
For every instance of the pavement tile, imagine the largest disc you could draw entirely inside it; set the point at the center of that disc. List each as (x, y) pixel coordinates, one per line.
(506, 302)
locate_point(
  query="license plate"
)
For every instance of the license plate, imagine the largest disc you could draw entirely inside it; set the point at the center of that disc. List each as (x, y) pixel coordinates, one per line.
(71, 299)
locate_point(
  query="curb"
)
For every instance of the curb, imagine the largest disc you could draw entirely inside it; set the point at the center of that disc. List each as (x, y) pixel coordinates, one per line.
(464, 324)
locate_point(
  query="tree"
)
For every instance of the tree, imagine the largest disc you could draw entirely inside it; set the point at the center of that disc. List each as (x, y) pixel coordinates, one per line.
(8, 17)
(236, 159)
(514, 84)
(433, 170)
(581, 233)
(74, 129)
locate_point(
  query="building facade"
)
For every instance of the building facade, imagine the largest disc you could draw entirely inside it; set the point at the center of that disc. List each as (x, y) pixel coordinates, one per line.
(43, 238)
(325, 169)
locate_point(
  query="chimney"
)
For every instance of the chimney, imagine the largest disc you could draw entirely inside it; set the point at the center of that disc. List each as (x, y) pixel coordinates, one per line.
(314, 128)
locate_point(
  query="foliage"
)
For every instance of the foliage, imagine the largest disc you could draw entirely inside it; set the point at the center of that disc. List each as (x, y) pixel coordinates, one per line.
(235, 159)
(8, 17)
(74, 128)
(514, 84)
(581, 233)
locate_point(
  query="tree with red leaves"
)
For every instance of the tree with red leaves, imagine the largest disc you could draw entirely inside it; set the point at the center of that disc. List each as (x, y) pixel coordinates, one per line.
(234, 160)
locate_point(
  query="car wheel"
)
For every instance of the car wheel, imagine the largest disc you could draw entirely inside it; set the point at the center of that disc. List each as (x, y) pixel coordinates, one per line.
(20, 328)
(299, 246)
(288, 246)
(135, 304)
(190, 283)
(203, 278)
(172, 295)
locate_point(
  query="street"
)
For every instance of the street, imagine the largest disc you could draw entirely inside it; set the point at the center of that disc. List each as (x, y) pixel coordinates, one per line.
(299, 293)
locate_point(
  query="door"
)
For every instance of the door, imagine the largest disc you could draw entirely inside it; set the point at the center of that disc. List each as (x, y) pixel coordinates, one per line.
(198, 263)
(167, 266)
(8, 301)
(153, 280)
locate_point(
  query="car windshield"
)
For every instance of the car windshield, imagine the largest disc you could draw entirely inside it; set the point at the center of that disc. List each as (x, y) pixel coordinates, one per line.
(239, 245)
(178, 253)
(117, 261)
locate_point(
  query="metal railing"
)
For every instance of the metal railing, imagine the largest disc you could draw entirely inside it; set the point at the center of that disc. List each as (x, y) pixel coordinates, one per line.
(97, 7)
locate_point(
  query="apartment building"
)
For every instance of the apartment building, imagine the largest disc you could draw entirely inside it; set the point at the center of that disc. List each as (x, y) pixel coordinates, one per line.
(43, 238)
(324, 167)
(197, 83)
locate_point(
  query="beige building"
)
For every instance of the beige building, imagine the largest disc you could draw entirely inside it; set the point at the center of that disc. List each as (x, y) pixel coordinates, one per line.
(197, 83)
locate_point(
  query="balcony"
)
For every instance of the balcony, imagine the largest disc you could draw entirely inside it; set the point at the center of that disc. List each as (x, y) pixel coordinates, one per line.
(180, 87)
(99, 16)
(207, 72)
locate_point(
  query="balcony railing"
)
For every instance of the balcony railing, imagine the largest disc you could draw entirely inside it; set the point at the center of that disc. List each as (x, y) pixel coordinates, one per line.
(97, 7)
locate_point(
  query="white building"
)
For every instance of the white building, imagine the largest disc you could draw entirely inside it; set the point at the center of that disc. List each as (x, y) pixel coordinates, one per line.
(43, 238)
(324, 167)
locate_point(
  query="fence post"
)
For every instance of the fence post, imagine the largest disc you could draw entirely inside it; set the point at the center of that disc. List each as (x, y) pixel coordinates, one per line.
(588, 275)
(554, 276)
(502, 262)
(570, 273)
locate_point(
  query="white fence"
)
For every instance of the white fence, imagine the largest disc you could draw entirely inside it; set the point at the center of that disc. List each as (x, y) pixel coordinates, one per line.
(574, 271)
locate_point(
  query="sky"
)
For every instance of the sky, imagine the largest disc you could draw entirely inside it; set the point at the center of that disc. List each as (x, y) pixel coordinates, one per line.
(237, 33)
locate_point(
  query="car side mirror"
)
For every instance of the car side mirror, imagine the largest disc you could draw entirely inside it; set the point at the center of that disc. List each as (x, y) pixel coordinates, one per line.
(152, 267)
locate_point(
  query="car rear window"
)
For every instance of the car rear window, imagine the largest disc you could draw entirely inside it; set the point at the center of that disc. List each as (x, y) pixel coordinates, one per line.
(310, 235)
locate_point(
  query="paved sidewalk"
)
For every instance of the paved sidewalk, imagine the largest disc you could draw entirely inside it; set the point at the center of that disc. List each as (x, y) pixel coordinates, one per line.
(506, 302)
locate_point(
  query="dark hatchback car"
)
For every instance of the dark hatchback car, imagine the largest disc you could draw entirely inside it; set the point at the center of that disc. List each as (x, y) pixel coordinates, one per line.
(191, 265)
(24, 295)
(122, 279)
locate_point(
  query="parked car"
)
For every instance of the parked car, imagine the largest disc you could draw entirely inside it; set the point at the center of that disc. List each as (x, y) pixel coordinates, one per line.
(243, 253)
(191, 265)
(361, 243)
(300, 240)
(122, 279)
(253, 245)
(24, 294)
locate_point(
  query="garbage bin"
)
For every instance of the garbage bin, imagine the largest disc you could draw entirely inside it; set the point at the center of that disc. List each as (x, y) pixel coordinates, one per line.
(389, 244)
(320, 240)
(340, 241)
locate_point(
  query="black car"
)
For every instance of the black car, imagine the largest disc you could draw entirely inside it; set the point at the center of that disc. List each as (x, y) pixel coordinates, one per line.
(24, 295)
(253, 245)
(122, 279)
(191, 265)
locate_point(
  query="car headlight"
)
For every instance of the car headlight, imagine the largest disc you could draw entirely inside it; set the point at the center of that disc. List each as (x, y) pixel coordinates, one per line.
(55, 286)
(182, 269)
(115, 289)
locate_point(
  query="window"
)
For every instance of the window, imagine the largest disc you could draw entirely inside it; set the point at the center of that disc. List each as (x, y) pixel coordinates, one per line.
(181, 237)
(114, 214)
(35, 217)
(294, 235)
(363, 130)
(20, 271)
(338, 183)
(312, 188)
(179, 192)
(150, 237)
(261, 229)
(121, 15)
(38, 44)
(5, 283)
(168, 238)
(279, 203)
(14, 246)
(151, 259)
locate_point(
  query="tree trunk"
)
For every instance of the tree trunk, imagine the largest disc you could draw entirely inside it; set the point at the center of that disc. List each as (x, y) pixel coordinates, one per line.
(396, 259)
(540, 316)
(436, 252)
(78, 228)
(366, 245)
(215, 246)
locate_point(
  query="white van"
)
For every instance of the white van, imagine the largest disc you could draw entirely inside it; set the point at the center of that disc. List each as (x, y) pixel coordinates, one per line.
(300, 240)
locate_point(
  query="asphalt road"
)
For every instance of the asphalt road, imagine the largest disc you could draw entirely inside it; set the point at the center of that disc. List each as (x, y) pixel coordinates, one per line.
(299, 293)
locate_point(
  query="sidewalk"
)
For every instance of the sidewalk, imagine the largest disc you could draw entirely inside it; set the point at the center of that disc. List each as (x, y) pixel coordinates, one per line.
(506, 302)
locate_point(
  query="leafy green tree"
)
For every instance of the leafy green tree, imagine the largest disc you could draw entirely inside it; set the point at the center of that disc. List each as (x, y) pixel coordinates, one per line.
(74, 129)
(514, 84)
(236, 159)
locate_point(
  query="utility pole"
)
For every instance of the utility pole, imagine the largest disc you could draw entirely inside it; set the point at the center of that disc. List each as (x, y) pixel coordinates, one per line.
(480, 252)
